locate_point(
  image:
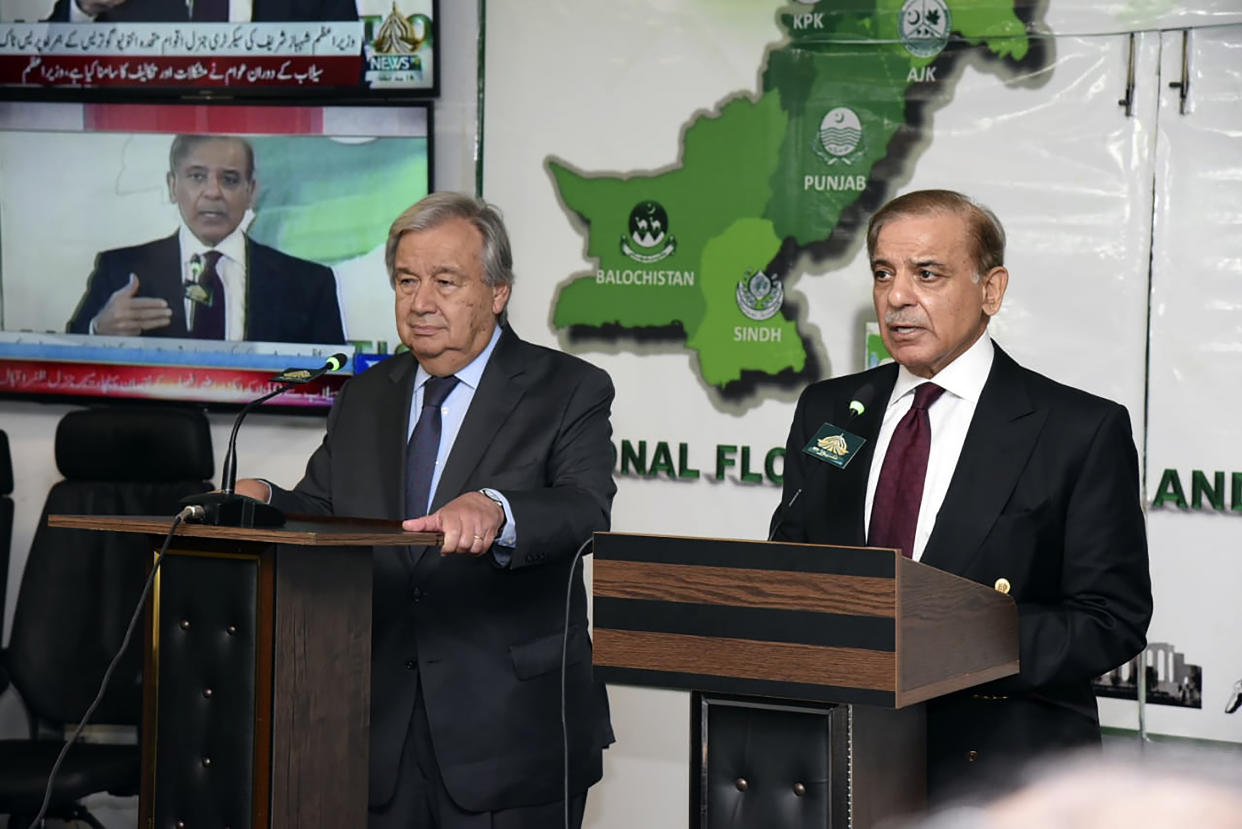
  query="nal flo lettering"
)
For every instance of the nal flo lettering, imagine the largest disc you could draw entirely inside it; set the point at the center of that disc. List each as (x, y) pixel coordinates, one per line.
(662, 458)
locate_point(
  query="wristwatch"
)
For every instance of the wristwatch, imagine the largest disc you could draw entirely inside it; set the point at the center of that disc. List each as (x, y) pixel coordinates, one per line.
(504, 516)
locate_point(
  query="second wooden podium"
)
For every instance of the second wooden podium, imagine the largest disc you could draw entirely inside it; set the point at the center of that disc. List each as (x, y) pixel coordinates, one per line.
(777, 622)
(257, 680)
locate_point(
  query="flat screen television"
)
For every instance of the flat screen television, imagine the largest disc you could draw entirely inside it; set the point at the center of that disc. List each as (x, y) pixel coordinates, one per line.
(93, 49)
(88, 208)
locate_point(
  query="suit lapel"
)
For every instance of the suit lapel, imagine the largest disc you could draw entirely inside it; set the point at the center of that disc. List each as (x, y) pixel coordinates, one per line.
(262, 297)
(833, 499)
(851, 490)
(497, 395)
(998, 444)
(165, 281)
(392, 425)
(500, 389)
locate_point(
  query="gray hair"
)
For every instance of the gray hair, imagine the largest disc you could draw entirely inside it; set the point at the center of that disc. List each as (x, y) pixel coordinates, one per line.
(987, 236)
(438, 208)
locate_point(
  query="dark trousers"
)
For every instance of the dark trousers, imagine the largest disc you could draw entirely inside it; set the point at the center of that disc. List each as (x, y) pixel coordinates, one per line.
(422, 802)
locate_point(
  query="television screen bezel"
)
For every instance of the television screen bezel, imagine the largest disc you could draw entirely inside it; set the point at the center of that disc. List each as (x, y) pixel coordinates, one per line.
(358, 95)
(274, 406)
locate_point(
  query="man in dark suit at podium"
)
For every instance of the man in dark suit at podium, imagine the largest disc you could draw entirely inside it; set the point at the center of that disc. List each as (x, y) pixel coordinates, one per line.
(209, 279)
(504, 447)
(977, 466)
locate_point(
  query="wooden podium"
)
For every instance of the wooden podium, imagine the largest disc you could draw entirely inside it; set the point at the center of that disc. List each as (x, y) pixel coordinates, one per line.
(865, 628)
(257, 679)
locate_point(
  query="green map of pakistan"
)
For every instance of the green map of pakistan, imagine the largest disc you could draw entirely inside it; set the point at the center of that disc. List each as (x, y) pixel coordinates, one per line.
(699, 251)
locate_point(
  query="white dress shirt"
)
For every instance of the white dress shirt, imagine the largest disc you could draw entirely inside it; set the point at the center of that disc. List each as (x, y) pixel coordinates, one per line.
(452, 415)
(950, 416)
(232, 270)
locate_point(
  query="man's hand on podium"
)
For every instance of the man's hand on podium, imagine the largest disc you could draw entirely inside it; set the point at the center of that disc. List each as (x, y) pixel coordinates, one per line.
(254, 488)
(470, 524)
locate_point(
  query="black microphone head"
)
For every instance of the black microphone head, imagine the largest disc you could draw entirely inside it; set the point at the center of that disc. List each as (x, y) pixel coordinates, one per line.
(861, 400)
(336, 362)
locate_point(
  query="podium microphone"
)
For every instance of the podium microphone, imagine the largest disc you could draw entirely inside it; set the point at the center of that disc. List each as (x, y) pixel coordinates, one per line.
(226, 508)
(860, 402)
(782, 512)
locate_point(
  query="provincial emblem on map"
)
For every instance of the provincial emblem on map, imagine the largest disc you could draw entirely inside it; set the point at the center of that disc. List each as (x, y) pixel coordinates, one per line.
(648, 240)
(840, 137)
(759, 297)
(924, 27)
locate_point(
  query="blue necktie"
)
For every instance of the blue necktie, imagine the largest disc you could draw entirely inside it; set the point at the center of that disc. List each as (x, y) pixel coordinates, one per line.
(420, 456)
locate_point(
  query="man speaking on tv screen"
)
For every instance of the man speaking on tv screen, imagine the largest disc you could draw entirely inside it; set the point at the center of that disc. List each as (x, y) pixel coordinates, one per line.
(200, 11)
(209, 280)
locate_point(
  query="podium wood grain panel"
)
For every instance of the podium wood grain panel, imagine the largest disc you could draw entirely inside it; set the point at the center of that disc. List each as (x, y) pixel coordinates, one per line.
(303, 532)
(793, 620)
(321, 713)
(936, 655)
(858, 595)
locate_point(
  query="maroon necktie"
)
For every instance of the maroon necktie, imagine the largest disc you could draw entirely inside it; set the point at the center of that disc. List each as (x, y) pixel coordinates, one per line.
(895, 510)
(209, 304)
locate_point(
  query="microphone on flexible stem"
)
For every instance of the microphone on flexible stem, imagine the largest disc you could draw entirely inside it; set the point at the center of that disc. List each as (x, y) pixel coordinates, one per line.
(228, 509)
(782, 513)
(858, 405)
(860, 401)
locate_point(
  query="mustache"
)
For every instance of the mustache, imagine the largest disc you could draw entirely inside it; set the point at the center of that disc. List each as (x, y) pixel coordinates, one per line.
(904, 318)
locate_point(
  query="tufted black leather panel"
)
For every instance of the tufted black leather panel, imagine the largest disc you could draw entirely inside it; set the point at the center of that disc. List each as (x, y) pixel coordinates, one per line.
(134, 443)
(207, 642)
(769, 766)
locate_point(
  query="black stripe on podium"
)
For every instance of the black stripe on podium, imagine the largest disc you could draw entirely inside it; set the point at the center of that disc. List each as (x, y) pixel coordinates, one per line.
(751, 687)
(747, 555)
(873, 633)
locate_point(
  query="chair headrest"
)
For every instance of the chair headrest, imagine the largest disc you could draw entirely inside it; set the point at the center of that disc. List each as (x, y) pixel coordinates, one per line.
(134, 443)
(6, 465)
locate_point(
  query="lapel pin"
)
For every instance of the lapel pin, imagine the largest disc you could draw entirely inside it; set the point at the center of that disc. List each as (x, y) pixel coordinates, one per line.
(1002, 585)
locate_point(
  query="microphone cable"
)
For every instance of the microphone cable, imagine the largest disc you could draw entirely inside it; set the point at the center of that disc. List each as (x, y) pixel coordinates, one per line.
(187, 512)
(569, 592)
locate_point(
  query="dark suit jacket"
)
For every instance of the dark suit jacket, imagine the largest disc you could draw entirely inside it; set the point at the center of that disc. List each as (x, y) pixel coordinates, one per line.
(288, 300)
(485, 641)
(263, 11)
(1046, 495)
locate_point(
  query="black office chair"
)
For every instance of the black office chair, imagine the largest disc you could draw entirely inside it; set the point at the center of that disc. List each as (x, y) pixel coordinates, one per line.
(78, 592)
